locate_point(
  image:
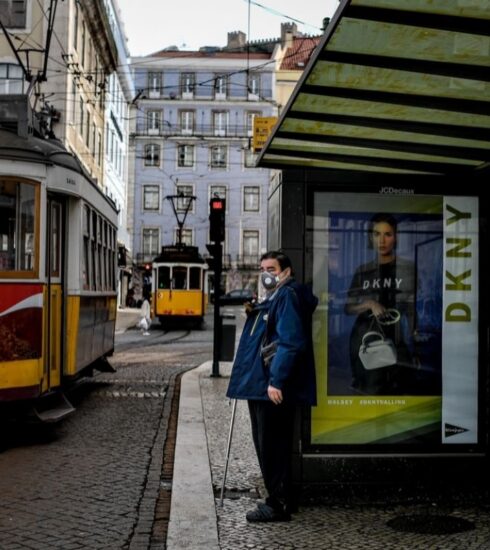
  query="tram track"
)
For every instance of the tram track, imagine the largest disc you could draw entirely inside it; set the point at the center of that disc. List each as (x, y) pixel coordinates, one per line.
(153, 339)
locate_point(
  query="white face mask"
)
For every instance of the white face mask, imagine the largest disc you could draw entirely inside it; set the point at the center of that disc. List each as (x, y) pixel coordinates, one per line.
(269, 281)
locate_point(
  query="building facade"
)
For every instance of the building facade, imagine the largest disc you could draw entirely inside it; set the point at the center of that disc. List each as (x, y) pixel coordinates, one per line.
(69, 61)
(190, 141)
(119, 94)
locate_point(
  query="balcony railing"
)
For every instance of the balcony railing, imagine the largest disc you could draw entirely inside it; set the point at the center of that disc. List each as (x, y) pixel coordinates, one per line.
(199, 130)
(248, 261)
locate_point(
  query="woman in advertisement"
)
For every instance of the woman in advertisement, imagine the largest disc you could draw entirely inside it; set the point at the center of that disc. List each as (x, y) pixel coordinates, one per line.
(382, 294)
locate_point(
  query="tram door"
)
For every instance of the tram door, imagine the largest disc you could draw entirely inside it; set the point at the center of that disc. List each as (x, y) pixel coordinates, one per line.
(54, 292)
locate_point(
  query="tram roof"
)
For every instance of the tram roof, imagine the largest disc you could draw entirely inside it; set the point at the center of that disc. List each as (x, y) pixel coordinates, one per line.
(33, 149)
(394, 86)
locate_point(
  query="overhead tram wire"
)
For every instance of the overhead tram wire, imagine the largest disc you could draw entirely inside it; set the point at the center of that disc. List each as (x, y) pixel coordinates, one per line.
(275, 12)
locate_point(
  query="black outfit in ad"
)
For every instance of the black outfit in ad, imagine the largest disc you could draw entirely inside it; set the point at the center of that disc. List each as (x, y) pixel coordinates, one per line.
(393, 285)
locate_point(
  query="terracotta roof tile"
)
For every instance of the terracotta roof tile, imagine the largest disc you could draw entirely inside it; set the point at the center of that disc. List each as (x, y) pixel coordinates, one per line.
(296, 57)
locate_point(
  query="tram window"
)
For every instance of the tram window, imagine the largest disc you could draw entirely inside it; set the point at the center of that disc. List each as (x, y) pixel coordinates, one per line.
(164, 277)
(86, 248)
(180, 277)
(17, 226)
(55, 239)
(195, 278)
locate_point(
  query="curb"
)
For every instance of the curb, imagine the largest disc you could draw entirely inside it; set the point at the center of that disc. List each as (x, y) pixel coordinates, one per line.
(193, 522)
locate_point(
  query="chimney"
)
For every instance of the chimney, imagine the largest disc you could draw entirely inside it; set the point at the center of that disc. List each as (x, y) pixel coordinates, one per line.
(236, 40)
(288, 32)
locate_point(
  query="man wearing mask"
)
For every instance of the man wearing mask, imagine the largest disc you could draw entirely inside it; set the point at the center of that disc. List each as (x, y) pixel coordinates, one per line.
(274, 383)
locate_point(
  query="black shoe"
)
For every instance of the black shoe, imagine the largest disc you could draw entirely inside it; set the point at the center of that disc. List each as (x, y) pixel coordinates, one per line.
(265, 513)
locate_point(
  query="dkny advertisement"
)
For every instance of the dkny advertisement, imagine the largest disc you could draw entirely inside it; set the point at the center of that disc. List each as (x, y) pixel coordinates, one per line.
(397, 282)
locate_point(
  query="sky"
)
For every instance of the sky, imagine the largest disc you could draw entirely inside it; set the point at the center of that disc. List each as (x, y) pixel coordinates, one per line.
(152, 25)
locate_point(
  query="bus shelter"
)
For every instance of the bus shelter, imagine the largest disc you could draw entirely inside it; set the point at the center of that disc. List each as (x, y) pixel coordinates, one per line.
(389, 127)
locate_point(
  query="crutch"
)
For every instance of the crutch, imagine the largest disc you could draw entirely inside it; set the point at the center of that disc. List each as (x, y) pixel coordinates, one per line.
(232, 422)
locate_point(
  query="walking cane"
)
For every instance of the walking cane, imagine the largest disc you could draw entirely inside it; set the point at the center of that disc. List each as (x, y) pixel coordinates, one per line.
(232, 422)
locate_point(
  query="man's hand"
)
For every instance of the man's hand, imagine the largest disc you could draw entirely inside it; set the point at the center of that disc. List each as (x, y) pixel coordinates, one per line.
(275, 395)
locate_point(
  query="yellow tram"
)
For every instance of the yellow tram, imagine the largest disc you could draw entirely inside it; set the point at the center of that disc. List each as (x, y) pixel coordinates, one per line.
(179, 285)
(57, 273)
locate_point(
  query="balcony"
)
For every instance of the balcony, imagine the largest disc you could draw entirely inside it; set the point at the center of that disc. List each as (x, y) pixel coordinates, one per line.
(248, 261)
(168, 130)
(226, 262)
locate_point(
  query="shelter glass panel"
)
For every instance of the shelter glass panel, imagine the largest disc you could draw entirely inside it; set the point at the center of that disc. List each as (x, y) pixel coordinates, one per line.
(397, 276)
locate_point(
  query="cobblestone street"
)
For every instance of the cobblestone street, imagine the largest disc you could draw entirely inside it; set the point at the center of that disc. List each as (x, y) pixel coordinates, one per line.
(93, 481)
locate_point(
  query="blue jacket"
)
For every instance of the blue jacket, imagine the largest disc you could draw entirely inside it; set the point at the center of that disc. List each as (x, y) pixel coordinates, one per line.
(288, 315)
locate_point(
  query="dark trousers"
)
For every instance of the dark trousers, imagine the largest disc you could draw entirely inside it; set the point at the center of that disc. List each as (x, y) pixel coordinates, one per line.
(272, 432)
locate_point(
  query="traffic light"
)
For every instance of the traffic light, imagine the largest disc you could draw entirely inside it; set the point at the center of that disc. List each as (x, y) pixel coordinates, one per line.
(217, 207)
(214, 259)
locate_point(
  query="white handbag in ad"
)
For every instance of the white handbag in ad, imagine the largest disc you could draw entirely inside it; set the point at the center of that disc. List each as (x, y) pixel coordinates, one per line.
(376, 351)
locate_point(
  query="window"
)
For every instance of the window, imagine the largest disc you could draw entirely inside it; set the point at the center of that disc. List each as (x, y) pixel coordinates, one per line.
(81, 116)
(185, 237)
(164, 277)
(94, 139)
(187, 84)
(74, 103)
(195, 278)
(75, 27)
(220, 86)
(154, 120)
(184, 201)
(18, 207)
(219, 155)
(99, 148)
(217, 191)
(99, 254)
(220, 123)
(250, 246)
(87, 129)
(151, 241)
(86, 248)
(154, 84)
(11, 79)
(13, 13)
(152, 154)
(187, 122)
(185, 156)
(55, 239)
(253, 86)
(151, 197)
(250, 158)
(249, 121)
(251, 199)
(83, 38)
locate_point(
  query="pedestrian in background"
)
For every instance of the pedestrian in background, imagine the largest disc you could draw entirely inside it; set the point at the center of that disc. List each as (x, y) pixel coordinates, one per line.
(274, 370)
(145, 321)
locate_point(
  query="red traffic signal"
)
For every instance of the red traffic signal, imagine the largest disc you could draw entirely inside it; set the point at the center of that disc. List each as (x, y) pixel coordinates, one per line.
(217, 207)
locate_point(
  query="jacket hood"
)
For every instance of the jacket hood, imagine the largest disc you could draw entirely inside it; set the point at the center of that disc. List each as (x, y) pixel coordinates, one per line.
(305, 295)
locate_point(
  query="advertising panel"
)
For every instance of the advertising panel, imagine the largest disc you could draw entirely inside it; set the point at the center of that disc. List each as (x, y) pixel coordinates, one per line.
(395, 333)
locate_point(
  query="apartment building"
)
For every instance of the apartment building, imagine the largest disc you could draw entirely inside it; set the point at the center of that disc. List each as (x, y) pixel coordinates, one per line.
(190, 141)
(119, 93)
(69, 62)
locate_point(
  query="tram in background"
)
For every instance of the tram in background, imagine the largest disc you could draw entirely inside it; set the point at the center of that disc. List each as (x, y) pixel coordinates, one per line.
(57, 275)
(179, 285)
